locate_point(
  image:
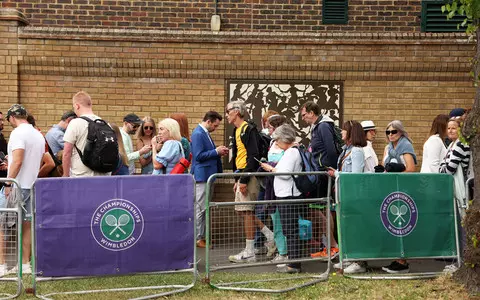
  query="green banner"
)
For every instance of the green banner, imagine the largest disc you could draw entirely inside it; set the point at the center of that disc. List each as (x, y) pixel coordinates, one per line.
(396, 215)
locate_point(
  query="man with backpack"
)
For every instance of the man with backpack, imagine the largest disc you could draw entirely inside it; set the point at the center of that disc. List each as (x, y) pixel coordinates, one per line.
(325, 145)
(91, 147)
(246, 154)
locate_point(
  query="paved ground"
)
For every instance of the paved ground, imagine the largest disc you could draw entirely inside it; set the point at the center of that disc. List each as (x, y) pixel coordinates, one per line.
(219, 257)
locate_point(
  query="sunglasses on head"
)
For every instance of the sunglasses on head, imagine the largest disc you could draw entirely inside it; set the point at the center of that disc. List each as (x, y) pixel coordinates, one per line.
(148, 127)
(388, 132)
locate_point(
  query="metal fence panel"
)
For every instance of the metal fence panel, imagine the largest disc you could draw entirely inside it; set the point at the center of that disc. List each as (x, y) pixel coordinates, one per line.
(114, 225)
(396, 216)
(299, 227)
(10, 244)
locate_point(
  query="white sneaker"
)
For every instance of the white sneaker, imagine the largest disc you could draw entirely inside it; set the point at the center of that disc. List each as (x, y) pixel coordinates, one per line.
(339, 265)
(3, 270)
(279, 259)
(356, 267)
(243, 257)
(450, 269)
(26, 269)
(272, 247)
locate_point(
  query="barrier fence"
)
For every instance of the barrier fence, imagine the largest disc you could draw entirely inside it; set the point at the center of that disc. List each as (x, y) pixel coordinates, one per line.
(11, 216)
(298, 226)
(118, 225)
(397, 216)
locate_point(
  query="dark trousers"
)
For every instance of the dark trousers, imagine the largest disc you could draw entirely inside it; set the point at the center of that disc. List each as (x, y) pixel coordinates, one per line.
(261, 213)
(289, 215)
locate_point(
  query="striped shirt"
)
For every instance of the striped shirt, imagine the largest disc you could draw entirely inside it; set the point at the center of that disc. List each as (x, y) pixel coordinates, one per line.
(457, 153)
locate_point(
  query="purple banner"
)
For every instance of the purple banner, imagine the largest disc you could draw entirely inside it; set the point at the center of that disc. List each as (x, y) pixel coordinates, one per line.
(114, 225)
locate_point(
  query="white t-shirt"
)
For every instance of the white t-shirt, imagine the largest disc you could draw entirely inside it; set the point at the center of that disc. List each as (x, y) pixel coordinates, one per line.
(371, 159)
(76, 134)
(290, 162)
(32, 141)
(434, 151)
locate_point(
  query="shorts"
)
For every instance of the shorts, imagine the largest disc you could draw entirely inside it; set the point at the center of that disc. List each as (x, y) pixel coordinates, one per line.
(252, 192)
(26, 205)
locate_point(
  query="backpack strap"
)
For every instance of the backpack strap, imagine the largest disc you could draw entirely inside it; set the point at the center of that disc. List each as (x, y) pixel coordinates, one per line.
(78, 150)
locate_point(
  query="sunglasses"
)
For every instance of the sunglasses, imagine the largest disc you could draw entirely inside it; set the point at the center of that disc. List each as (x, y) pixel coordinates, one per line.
(135, 126)
(388, 132)
(148, 128)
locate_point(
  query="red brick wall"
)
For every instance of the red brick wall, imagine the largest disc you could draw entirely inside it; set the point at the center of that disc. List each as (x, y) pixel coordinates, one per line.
(237, 15)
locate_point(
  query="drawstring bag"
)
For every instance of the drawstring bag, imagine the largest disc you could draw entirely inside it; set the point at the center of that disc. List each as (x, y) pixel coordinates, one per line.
(304, 229)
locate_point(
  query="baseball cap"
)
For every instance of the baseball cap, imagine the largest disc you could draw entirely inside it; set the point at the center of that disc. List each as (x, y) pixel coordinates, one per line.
(457, 112)
(368, 125)
(132, 118)
(16, 110)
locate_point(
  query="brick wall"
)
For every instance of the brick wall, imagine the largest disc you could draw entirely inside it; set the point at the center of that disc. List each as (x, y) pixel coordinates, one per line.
(236, 15)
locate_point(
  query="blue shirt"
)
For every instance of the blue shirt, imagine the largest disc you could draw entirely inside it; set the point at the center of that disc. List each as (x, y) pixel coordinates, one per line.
(55, 138)
(169, 156)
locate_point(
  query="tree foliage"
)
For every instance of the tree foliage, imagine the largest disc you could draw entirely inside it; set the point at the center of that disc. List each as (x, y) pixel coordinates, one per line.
(469, 8)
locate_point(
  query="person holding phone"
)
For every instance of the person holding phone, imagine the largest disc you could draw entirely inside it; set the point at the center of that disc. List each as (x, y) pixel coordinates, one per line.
(351, 160)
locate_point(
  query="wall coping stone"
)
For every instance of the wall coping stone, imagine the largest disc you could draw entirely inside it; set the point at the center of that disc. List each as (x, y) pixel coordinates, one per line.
(10, 14)
(234, 37)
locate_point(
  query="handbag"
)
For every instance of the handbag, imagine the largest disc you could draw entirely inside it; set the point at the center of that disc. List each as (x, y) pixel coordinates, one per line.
(182, 164)
(304, 229)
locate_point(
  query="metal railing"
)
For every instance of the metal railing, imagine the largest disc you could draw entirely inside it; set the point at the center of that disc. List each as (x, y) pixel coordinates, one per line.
(229, 237)
(11, 240)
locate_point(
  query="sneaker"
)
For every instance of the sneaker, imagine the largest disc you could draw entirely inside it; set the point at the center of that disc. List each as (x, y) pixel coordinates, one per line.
(260, 251)
(450, 269)
(333, 253)
(272, 247)
(3, 270)
(396, 268)
(339, 265)
(356, 267)
(288, 270)
(26, 269)
(279, 259)
(243, 257)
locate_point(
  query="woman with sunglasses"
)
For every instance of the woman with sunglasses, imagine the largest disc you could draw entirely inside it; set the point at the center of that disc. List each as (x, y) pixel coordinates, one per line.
(351, 160)
(434, 148)
(399, 156)
(144, 136)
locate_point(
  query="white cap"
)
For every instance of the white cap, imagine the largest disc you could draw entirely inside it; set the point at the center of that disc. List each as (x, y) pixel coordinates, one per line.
(368, 125)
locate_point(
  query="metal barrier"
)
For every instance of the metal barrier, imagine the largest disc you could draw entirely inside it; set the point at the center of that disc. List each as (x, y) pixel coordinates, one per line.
(229, 238)
(410, 208)
(147, 212)
(11, 242)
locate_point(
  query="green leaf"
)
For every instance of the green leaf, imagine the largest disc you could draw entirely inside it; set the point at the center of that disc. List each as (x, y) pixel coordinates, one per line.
(475, 241)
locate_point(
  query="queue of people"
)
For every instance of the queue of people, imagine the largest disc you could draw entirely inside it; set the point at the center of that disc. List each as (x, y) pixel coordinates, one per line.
(160, 149)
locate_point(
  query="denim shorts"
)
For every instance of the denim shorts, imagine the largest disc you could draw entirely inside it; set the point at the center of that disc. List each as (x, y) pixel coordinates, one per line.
(27, 205)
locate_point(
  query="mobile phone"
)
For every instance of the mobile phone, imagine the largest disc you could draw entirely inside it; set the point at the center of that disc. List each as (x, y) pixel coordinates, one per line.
(258, 160)
(2, 156)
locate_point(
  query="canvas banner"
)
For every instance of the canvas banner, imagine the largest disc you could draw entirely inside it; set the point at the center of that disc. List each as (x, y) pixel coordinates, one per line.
(114, 225)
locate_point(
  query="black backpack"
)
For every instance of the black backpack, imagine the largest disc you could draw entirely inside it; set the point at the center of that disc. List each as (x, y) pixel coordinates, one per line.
(306, 184)
(101, 150)
(263, 140)
(337, 138)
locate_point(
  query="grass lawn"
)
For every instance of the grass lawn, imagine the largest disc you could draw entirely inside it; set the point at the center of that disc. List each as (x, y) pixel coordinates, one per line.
(337, 287)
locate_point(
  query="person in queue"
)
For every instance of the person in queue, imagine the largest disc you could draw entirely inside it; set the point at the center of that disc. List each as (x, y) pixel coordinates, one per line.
(245, 155)
(434, 148)
(168, 139)
(144, 136)
(371, 159)
(399, 156)
(181, 118)
(123, 163)
(285, 188)
(351, 160)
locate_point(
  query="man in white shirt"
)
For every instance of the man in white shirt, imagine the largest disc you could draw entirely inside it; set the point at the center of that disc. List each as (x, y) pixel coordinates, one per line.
(131, 122)
(25, 152)
(371, 159)
(76, 135)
